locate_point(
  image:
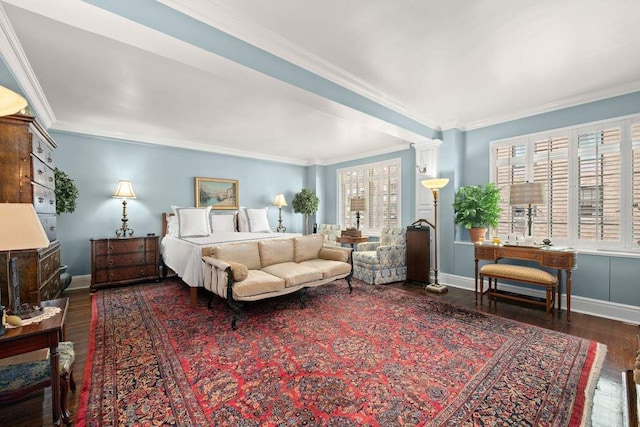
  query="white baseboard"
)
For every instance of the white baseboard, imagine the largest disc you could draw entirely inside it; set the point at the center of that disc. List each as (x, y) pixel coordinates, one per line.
(609, 310)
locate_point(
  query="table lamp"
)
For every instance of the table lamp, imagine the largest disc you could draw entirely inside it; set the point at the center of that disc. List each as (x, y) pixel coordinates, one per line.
(124, 192)
(279, 201)
(435, 185)
(10, 102)
(20, 229)
(358, 204)
(527, 194)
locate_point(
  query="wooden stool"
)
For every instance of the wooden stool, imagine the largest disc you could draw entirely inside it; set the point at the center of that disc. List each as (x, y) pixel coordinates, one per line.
(19, 380)
(529, 275)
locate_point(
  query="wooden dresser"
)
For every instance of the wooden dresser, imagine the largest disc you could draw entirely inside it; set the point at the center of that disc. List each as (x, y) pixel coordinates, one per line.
(124, 260)
(27, 176)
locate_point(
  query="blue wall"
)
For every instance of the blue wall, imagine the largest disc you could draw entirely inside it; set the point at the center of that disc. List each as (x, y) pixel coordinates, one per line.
(161, 177)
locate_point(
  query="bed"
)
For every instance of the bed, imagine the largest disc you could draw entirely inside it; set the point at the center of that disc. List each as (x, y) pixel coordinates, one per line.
(187, 233)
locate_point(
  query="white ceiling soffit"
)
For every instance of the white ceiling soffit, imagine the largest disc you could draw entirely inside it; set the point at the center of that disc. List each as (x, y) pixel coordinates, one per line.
(107, 76)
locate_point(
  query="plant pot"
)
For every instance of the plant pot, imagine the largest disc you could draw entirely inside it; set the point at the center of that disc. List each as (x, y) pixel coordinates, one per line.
(477, 234)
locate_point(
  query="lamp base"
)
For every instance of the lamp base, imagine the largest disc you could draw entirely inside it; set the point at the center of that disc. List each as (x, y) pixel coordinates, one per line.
(437, 288)
(25, 311)
(3, 330)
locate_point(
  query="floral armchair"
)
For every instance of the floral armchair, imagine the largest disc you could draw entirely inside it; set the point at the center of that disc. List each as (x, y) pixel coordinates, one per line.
(382, 262)
(330, 232)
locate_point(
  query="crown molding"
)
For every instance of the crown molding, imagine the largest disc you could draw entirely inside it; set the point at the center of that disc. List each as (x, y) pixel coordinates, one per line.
(220, 17)
(17, 61)
(558, 105)
(66, 127)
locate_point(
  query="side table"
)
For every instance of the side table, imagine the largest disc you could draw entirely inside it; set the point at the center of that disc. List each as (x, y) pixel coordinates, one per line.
(45, 334)
(352, 240)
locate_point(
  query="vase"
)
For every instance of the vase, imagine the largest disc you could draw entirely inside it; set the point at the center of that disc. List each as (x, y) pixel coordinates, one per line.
(65, 278)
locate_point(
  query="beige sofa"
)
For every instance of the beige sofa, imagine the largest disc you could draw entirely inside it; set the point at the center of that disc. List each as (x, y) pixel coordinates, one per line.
(252, 271)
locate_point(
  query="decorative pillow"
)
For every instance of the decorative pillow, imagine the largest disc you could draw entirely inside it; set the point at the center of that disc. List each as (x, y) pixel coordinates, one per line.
(223, 222)
(243, 220)
(258, 222)
(194, 222)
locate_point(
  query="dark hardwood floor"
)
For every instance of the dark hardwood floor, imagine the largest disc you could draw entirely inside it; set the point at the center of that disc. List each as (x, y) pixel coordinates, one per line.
(620, 339)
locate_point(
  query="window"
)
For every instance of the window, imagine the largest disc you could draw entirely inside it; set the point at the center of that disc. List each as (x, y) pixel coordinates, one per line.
(379, 183)
(590, 200)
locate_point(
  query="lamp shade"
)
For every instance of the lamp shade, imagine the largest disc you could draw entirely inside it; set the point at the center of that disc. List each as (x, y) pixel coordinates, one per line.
(279, 201)
(358, 204)
(124, 190)
(527, 193)
(20, 228)
(10, 102)
(435, 183)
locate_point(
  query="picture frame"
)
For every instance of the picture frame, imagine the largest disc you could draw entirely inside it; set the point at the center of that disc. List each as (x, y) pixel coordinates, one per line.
(216, 192)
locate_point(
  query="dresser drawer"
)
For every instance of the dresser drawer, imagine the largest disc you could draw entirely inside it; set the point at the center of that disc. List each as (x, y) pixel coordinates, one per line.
(42, 174)
(50, 289)
(44, 199)
(114, 275)
(120, 246)
(41, 148)
(49, 224)
(123, 260)
(49, 265)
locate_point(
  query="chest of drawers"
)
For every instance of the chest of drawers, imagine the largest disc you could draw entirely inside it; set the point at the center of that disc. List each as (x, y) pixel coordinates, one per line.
(124, 260)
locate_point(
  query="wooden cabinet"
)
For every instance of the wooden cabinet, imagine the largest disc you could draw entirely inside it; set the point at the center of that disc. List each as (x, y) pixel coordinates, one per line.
(27, 176)
(124, 260)
(418, 254)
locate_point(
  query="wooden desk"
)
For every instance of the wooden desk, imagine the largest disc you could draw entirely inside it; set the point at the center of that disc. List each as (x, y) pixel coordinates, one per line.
(560, 260)
(352, 240)
(47, 333)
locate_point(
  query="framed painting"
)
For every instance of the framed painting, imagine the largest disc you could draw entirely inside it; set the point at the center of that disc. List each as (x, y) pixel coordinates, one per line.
(217, 193)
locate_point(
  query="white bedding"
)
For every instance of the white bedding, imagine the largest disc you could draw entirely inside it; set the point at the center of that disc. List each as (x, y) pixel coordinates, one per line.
(184, 256)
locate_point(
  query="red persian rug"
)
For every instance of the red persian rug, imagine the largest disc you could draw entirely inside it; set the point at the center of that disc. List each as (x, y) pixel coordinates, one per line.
(378, 357)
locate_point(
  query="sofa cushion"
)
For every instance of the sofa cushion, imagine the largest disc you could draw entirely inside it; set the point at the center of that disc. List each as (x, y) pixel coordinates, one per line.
(328, 268)
(293, 274)
(257, 282)
(275, 251)
(307, 247)
(246, 253)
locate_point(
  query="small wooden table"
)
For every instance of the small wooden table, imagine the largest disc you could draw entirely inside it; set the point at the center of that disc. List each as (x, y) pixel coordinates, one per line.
(46, 333)
(558, 259)
(352, 240)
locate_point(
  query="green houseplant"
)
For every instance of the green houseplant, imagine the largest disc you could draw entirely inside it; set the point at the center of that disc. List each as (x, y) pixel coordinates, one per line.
(306, 203)
(476, 207)
(66, 193)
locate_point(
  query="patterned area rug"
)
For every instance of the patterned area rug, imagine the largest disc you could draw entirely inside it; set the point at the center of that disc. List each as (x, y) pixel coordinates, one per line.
(381, 356)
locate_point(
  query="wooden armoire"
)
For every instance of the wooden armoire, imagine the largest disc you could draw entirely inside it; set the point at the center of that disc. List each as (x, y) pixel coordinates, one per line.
(27, 176)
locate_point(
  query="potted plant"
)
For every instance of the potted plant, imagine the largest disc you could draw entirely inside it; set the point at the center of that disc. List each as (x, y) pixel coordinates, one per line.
(476, 207)
(66, 193)
(306, 203)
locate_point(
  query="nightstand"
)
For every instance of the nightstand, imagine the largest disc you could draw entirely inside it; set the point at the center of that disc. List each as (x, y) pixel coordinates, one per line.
(124, 260)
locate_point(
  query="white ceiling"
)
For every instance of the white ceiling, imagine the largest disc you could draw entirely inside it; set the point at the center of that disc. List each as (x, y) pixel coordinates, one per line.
(439, 64)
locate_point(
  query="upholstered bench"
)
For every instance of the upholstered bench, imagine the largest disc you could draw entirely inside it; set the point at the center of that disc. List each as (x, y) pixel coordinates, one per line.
(19, 380)
(517, 273)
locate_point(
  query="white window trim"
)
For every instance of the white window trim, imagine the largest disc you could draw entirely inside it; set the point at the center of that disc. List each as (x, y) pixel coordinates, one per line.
(366, 166)
(626, 244)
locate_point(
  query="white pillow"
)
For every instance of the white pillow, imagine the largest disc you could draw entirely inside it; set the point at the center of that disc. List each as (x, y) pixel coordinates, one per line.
(258, 222)
(194, 222)
(173, 229)
(223, 222)
(243, 220)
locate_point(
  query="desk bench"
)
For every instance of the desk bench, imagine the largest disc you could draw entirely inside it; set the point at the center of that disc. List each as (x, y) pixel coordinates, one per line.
(529, 275)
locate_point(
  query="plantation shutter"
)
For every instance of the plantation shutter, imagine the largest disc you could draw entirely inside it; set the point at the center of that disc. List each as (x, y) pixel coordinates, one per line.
(551, 166)
(635, 182)
(379, 183)
(599, 184)
(510, 169)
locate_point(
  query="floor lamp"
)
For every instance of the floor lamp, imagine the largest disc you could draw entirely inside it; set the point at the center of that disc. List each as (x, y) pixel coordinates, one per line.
(20, 229)
(435, 185)
(527, 194)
